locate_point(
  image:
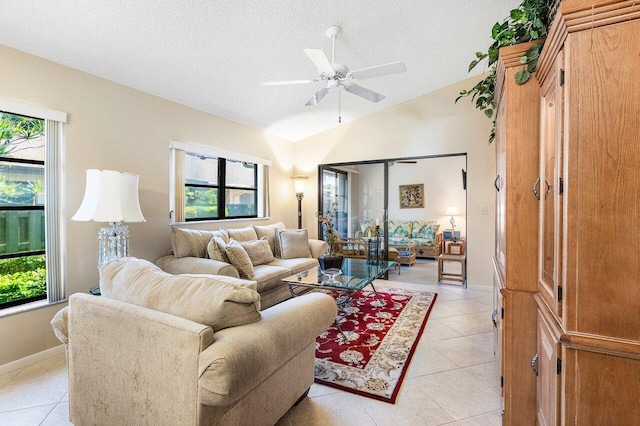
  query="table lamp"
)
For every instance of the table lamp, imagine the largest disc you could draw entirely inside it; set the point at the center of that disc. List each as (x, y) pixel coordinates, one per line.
(452, 211)
(111, 197)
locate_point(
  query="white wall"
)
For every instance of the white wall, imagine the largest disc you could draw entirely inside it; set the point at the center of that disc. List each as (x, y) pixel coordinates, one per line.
(442, 179)
(428, 125)
(111, 126)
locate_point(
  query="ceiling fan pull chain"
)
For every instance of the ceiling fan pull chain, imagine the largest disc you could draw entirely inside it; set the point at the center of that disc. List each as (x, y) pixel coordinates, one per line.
(339, 107)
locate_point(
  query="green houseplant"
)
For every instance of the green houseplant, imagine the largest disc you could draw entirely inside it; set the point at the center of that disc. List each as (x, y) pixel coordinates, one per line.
(528, 22)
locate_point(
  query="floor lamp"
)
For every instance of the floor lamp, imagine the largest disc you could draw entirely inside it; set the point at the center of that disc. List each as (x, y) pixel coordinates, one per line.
(111, 197)
(298, 183)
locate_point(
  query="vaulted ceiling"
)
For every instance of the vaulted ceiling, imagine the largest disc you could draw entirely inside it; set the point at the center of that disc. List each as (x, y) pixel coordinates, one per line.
(213, 55)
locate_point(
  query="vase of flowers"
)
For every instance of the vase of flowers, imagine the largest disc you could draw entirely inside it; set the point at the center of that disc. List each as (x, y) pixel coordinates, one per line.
(333, 258)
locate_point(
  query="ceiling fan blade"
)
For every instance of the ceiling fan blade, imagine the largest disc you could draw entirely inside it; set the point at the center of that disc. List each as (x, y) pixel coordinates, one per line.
(379, 70)
(321, 61)
(317, 97)
(367, 94)
(283, 83)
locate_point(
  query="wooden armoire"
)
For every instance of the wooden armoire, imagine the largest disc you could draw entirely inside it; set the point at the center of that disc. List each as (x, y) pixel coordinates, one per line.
(515, 259)
(585, 361)
(588, 357)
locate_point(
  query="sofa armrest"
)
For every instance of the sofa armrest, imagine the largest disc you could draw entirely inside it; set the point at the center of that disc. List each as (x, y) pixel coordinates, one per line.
(196, 265)
(244, 356)
(120, 356)
(318, 247)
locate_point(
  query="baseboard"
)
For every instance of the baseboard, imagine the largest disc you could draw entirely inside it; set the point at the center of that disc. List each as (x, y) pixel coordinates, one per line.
(31, 359)
(479, 287)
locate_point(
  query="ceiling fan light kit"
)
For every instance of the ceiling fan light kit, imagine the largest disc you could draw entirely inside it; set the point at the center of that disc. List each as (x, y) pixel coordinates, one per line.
(338, 76)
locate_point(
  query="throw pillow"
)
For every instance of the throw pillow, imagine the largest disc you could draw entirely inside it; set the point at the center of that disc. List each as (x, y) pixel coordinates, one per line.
(216, 252)
(240, 259)
(259, 251)
(213, 300)
(366, 229)
(192, 242)
(293, 243)
(269, 231)
(242, 234)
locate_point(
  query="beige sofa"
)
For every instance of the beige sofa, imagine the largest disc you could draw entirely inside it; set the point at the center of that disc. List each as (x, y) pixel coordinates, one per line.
(192, 254)
(146, 360)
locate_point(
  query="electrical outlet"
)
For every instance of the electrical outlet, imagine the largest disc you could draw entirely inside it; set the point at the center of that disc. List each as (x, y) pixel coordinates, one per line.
(485, 210)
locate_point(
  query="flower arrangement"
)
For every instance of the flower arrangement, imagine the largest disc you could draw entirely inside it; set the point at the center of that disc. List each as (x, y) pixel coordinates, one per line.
(328, 231)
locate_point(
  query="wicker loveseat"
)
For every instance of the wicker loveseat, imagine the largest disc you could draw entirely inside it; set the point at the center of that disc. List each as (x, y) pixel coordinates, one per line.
(423, 235)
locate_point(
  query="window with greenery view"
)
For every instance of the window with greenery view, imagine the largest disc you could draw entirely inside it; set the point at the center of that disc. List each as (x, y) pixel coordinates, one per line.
(23, 276)
(219, 188)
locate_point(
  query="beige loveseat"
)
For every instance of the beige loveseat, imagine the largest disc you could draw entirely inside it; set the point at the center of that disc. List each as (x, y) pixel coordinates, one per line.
(196, 252)
(158, 349)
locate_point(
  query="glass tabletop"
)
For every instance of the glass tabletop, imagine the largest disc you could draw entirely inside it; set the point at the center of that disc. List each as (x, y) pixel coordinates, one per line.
(355, 274)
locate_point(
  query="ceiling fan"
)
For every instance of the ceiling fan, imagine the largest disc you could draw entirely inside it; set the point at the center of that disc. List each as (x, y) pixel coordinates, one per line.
(338, 76)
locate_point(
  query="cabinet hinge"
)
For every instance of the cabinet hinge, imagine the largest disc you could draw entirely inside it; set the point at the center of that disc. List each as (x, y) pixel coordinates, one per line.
(501, 381)
(561, 77)
(559, 293)
(502, 313)
(559, 366)
(561, 186)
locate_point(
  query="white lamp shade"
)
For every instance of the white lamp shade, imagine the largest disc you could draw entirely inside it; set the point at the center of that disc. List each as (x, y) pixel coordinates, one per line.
(298, 183)
(451, 211)
(110, 196)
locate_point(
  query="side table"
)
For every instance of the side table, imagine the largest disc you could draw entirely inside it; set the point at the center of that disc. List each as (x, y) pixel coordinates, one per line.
(451, 276)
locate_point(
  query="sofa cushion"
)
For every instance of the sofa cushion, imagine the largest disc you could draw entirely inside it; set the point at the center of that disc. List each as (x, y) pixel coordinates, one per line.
(216, 301)
(400, 228)
(426, 230)
(423, 241)
(295, 266)
(399, 240)
(242, 234)
(293, 243)
(269, 231)
(192, 242)
(269, 277)
(259, 251)
(239, 258)
(216, 252)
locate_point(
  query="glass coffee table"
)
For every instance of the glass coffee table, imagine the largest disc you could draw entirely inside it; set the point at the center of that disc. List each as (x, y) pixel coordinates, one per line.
(354, 275)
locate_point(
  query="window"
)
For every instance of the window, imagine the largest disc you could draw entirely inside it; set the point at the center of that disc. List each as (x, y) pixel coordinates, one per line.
(30, 265)
(209, 184)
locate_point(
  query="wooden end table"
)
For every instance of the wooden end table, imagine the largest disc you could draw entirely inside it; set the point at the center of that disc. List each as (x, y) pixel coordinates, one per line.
(450, 276)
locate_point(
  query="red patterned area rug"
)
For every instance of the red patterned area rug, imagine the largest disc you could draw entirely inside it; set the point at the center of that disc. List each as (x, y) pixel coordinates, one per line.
(370, 353)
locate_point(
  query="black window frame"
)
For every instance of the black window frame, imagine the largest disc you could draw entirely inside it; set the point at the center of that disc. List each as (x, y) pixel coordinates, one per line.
(222, 188)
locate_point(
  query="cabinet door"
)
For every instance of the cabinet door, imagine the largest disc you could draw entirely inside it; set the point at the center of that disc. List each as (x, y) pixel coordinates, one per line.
(548, 385)
(501, 168)
(550, 190)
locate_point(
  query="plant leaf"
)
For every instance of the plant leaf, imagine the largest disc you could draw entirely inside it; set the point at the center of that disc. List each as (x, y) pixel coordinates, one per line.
(522, 76)
(524, 60)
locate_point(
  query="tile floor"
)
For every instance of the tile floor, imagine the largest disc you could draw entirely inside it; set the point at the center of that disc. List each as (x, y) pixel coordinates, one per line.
(451, 379)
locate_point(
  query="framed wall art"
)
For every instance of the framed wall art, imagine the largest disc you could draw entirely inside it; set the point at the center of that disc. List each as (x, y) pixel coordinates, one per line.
(411, 196)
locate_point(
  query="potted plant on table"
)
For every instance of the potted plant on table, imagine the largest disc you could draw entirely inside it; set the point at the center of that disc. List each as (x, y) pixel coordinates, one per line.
(333, 258)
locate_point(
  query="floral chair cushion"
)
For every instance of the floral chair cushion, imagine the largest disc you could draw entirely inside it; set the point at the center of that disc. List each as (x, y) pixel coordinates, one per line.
(399, 229)
(366, 228)
(426, 230)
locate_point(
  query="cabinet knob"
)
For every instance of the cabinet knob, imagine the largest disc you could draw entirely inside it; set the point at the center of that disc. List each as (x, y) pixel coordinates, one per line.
(534, 188)
(548, 189)
(534, 361)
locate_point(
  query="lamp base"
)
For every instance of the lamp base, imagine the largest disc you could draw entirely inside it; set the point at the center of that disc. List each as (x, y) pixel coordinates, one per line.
(113, 242)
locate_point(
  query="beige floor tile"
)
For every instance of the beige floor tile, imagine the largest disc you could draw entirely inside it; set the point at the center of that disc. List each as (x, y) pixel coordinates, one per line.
(331, 410)
(441, 309)
(321, 390)
(489, 419)
(469, 306)
(459, 393)
(32, 416)
(427, 360)
(65, 398)
(487, 374)
(59, 416)
(39, 384)
(464, 351)
(413, 407)
(6, 378)
(470, 323)
(436, 330)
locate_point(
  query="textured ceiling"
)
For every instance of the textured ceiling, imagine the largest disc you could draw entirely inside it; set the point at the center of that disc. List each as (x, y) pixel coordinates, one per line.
(212, 55)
